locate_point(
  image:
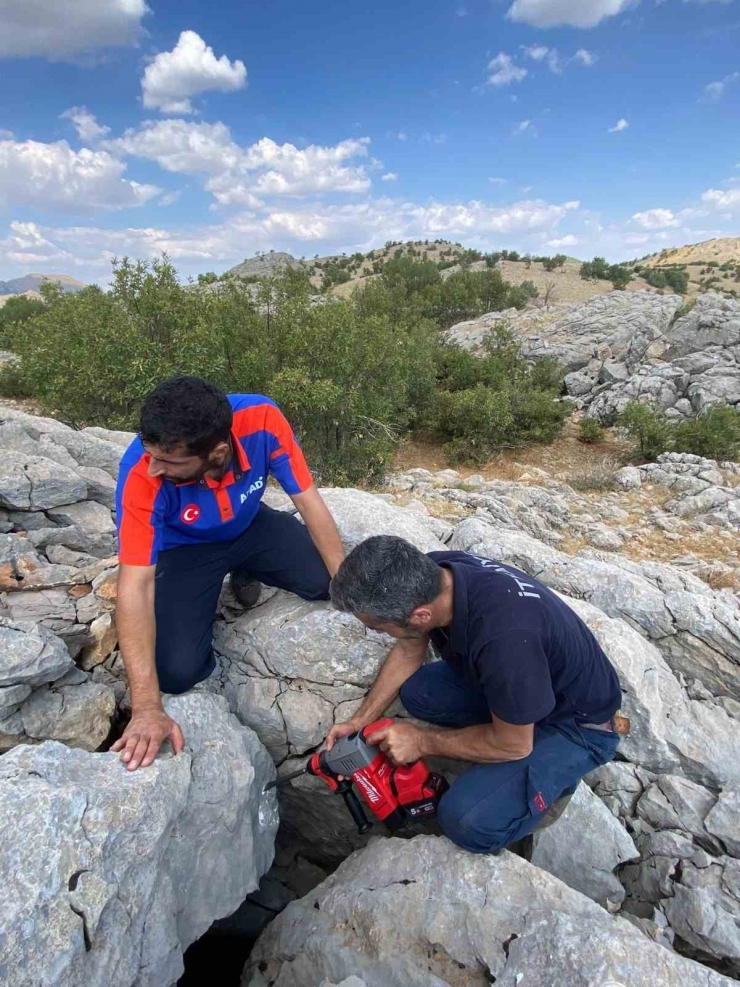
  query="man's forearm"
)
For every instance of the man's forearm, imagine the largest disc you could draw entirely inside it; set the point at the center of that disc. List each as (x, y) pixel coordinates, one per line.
(321, 527)
(136, 637)
(402, 661)
(478, 744)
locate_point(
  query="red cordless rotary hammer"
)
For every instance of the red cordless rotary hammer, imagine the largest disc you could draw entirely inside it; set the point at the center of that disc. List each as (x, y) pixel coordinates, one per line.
(394, 795)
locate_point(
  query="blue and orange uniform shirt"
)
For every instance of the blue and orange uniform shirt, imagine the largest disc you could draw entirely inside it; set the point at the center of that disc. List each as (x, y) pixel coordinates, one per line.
(155, 514)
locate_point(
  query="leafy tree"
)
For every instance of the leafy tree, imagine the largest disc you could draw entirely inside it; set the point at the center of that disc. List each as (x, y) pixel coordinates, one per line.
(591, 431)
(714, 434)
(649, 428)
(18, 309)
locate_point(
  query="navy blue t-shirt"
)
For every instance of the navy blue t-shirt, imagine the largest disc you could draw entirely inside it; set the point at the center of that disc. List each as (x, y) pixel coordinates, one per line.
(532, 655)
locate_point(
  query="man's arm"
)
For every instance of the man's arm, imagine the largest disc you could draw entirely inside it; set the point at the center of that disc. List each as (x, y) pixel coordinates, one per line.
(321, 527)
(149, 726)
(402, 661)
(488, 743)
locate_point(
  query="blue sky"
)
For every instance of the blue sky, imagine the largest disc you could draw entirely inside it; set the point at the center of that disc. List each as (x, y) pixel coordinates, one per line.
(213, 130)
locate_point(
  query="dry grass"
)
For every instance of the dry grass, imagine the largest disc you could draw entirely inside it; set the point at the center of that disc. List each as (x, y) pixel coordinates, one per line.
(598, 476)
(563, 458)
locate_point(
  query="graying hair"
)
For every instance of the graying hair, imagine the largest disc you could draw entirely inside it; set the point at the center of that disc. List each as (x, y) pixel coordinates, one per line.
(385, 578)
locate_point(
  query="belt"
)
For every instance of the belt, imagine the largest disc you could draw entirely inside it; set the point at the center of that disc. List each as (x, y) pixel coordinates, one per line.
(618, 724)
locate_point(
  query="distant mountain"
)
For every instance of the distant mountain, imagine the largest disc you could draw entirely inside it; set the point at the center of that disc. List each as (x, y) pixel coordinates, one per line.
(32, 282)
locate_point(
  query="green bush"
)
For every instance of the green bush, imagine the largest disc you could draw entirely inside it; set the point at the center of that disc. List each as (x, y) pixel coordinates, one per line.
(591, 431)
(495, 401)
(714, 434)
(17, 309)
(351, 375)
(651, 429)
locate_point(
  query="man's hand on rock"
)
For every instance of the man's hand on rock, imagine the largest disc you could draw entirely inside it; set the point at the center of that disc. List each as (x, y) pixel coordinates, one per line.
(402, 742)
(145, 734)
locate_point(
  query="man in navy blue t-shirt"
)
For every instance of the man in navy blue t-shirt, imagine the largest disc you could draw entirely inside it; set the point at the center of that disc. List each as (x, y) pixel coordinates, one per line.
(523, 689)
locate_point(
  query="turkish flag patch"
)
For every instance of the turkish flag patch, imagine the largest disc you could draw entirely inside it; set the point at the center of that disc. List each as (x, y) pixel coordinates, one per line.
(540, 802)
(190, 514)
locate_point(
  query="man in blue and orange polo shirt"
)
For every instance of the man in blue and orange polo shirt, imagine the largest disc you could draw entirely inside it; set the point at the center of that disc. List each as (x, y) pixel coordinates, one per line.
(189, 512)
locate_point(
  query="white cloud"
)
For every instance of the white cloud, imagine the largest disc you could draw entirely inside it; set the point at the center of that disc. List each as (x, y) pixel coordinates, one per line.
(727, 200)
(402, 136)
(173, 77)
(502, 71)
(390, 176)
(574, 13)
(61, 30)
(523, 126)
(619, 126)
(170, 198)
(536, 52)
(53, 176)
(181, 146)
(497, 181)
(656, 219)
(716, 89)
(564, 241)
(429, 138)
(87, 127)
(8, 135)
(585, 57)
(240, 175)
(355, 226)
(554, 60)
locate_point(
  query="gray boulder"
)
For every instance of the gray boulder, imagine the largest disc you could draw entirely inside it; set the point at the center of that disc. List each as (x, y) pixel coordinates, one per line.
(584, 847)
(117, 873)
(360, 515)
(413, 913)
(31, 483)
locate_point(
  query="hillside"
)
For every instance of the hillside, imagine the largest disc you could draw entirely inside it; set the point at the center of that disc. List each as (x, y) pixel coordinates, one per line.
(712, 265)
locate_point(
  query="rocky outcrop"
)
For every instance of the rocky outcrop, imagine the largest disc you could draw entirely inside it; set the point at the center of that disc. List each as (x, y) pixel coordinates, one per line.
(620, 327)
(688, 367)
(416, 912)
(109, 875)
(655, 833)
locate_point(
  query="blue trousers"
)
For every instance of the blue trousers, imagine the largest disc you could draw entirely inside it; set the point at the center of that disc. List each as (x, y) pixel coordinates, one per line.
(276, 549)
(491, 805)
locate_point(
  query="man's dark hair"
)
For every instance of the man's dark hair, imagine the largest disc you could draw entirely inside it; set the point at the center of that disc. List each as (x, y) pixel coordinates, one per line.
(386, 578)
(186, 411)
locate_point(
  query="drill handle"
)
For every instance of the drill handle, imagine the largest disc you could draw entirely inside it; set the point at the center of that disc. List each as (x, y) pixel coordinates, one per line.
(370, 729)
(355, 807)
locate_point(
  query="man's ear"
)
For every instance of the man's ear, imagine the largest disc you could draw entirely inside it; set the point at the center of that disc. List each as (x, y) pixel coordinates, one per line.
(421, 617)
(220, 451)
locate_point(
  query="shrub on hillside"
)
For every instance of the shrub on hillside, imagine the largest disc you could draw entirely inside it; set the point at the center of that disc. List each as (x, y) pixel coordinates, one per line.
(649, 428)
(495, 401)
(591, 431)
(714, 434)
(17, 309)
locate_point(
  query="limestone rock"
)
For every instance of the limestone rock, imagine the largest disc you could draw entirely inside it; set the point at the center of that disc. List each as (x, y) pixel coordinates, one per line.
(584, 847)
(723, 820)
(32, 483)
(118, 872)
(359, 515)
(30, 655)
(412, 913)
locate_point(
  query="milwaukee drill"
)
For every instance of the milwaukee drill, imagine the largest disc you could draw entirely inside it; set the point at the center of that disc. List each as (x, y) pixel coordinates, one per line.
(394, 795)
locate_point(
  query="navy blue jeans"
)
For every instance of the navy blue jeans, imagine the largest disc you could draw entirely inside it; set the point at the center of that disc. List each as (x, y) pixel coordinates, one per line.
(276, 549)
(492, 805)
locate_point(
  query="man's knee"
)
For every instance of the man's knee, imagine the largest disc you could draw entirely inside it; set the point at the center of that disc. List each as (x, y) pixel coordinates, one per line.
(314, 587)
(474, 832)
(177, 673)
(411, 695)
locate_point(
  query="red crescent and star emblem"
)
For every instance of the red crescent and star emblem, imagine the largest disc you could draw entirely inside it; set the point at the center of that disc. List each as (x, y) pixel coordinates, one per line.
(190, 513)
